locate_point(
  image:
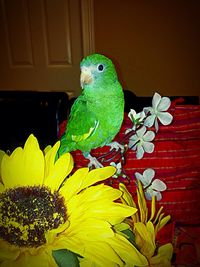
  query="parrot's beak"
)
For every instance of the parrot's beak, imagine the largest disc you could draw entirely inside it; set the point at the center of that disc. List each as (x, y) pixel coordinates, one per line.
(86, 77)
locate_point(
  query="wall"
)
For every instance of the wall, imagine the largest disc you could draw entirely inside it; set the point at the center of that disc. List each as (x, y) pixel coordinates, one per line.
(155, 44)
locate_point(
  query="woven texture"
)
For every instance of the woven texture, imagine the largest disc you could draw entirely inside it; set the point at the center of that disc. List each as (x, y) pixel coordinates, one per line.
(176, 161)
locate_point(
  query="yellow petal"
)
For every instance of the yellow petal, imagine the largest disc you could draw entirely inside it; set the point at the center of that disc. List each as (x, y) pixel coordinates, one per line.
(101, 210)
(163, 257)
(121, 227)
(50, 155)
(127, 252)
(144, 240)
(151, 230)
(141, 206)
(97, 202)
(163, 222)
(47, 148)
(127, 199)
(142, 203)
(87, 263)
(103, 254)
(8, 252)
(99, 252)
(91, 230)
(82, 178)
(61, 168)
(153, 207)
(24, 166)
(100, 192)
(157, 215)
(158, 223)
(126, 196)
(26, 259)
(73, 185)
(98, 175)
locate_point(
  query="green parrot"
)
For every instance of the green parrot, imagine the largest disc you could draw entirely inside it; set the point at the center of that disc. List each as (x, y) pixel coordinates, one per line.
(97, 114)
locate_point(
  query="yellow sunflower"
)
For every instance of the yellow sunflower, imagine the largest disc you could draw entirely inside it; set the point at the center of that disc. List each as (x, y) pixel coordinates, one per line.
(145, 228)
(39, 214)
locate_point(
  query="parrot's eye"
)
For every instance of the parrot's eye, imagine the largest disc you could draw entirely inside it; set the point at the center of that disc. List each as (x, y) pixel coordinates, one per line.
(100, 67)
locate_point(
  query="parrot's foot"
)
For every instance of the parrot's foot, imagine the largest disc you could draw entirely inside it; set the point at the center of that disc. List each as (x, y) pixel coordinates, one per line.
(115, 145)
(93, 162)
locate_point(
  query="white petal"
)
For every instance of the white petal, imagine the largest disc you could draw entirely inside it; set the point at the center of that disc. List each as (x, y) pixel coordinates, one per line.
(128, 131)
(141, 131)
(119, 165)
(148, 175)
(156, 125)
(150, 192)
(158, 195)
(131, 114)
(146, 110)
(165, 118)
(132, 143)
(142, 115)
(149, 136)
(135, 147)
(159, 185)
(140, 152)
(140, 177)
(133, 138)
(146, 181)
(156, 100)
(149, 121)
(113, 164)
(132, 111)
(148, 195)
(164, 104)
(148, 147)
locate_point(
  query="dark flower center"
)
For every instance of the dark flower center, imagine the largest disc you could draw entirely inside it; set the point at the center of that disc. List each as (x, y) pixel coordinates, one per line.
(27, 213)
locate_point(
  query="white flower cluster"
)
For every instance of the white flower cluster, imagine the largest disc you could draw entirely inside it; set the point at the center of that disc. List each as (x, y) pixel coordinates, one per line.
(141, 141)
(151, 187)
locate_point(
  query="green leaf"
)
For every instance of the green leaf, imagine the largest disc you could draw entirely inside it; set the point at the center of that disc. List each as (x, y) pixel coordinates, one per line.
(130, 236)
(65, 258)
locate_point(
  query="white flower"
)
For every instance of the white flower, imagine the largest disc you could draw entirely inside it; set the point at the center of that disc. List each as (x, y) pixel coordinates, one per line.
(136, 118)
(118, 167)
(152, 188)
(141, 141)
(158, 111)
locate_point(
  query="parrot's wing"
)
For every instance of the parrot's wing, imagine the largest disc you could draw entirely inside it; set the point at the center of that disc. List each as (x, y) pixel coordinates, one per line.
(82, 122)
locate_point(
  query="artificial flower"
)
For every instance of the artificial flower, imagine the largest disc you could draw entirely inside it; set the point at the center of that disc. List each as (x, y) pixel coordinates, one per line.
(145, 239)
(145, 228)
(39, 214)
(158, 112)
(163, 256)
(151, 187)
(118, 167)
(136, 118)
(141, 142)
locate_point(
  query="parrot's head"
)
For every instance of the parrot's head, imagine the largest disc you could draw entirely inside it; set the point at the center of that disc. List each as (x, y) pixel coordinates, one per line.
(96, 70)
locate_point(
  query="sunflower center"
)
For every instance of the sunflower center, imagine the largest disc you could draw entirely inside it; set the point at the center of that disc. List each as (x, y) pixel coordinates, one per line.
(27, 213)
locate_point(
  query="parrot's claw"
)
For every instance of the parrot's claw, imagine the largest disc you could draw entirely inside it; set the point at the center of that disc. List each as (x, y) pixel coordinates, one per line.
(115, 145)
(93, 162)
